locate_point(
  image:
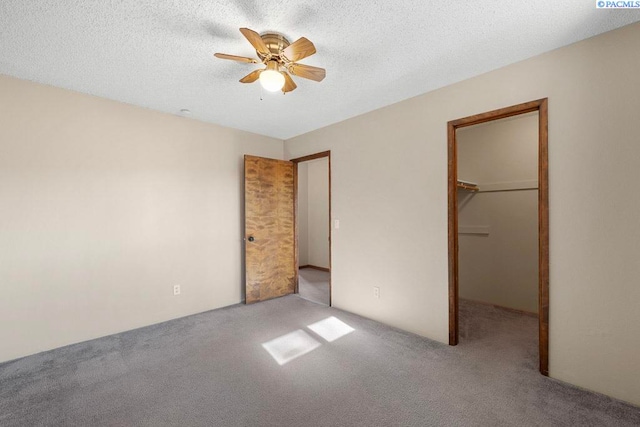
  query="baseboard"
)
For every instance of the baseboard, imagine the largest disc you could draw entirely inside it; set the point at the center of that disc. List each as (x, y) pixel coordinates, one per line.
(315, 267)
(501, 307)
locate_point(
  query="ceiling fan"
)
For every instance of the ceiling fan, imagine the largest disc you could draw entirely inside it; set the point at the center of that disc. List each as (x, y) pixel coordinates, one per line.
(280, 58)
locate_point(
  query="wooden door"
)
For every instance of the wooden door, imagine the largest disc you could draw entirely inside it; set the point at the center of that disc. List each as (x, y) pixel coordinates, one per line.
(269, 228)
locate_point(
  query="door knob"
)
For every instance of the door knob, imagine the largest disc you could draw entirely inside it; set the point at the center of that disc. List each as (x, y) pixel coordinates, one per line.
(251, 239)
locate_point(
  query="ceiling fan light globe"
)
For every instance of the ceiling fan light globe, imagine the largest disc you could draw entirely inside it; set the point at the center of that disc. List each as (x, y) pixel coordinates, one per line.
(271, 80)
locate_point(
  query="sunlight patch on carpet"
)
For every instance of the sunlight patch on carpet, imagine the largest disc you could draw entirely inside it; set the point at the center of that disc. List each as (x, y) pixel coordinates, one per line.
(290, 346)
(331, 328)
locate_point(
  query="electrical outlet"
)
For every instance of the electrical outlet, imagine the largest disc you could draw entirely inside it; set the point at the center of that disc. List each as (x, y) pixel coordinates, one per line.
(176, 289)
(376, 292)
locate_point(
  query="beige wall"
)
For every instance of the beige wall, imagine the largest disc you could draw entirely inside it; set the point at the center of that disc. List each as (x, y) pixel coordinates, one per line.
(498, 238)
(303, 214)
(319, 212)
(104, 207)
(389, 191)
(313, 212)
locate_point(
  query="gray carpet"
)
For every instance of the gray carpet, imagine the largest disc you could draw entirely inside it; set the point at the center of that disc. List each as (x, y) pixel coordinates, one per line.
(314, 285)
(211, 369)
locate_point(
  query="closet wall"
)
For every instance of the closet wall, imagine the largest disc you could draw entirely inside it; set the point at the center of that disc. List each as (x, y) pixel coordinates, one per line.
(313, 213)
(498, 225)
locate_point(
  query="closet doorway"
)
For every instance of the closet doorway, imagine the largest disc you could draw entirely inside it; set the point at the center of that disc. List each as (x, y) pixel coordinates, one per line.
(457, 184)
(313, 226)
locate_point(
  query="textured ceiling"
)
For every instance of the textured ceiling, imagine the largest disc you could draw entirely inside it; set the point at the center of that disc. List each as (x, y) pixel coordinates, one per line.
(159, 54)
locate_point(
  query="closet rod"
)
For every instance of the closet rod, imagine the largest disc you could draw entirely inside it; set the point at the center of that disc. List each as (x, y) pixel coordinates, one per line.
(466, 185)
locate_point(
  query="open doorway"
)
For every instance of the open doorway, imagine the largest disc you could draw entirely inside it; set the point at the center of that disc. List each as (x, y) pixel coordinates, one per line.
(499, 212)
(313, 230)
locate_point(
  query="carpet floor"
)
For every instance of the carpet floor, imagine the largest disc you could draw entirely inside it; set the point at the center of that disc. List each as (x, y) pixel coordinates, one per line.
(314, 285)
(291, 362)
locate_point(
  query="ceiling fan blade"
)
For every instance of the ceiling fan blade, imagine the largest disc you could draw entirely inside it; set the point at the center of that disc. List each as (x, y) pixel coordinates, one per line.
(299, 49)
(289, 84)
(255, 40)
(236, 58)
(308, 72)
(251, 77)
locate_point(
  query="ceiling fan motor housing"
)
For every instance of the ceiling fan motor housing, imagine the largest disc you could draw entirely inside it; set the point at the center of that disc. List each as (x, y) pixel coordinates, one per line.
(276, 43)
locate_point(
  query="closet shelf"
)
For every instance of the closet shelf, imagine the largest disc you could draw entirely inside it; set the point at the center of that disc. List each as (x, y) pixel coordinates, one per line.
(466, 185)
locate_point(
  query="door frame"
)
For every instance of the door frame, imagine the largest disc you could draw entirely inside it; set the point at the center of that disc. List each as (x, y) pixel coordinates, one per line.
(295, 162)
(541, 106)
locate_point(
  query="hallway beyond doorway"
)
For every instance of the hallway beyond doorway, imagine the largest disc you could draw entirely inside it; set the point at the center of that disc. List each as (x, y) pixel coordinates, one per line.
(313, 285)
